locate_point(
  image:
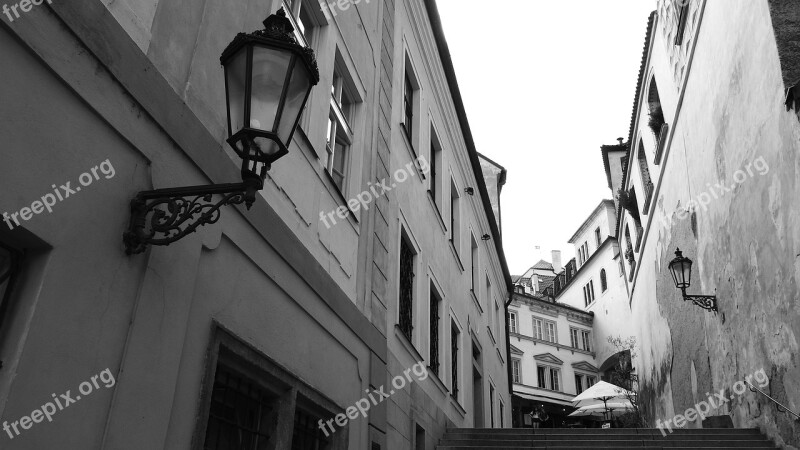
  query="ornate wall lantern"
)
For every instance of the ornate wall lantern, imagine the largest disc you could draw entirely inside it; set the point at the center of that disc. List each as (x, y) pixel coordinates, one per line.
(681, 269)
(268, 78)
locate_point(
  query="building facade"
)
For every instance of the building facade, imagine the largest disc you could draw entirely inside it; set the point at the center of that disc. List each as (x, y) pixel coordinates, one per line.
(710, 168)
(297, 311)
(552, 358)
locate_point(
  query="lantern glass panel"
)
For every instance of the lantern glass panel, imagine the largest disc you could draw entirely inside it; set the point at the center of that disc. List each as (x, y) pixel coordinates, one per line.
(687, 272)
(236, 78)
(674, 269)
(296, 94)
(270, 67)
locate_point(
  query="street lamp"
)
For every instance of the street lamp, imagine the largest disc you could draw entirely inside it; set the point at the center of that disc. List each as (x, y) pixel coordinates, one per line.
(681, 269)
(268, 78)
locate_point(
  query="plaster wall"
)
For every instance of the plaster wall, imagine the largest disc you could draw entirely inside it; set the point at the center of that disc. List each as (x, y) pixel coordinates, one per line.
(743, 245)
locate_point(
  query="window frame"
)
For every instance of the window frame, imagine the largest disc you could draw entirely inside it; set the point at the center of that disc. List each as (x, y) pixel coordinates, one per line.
(406, 324)
(538, 332)
(516, 370)
(551, 383)
(435, 302)
(597, 236)
(512, 322)
(340, 136)
(235, 354)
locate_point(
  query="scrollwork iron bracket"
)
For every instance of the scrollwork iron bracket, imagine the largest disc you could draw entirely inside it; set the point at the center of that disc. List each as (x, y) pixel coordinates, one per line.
(707, 302)
(164, 216)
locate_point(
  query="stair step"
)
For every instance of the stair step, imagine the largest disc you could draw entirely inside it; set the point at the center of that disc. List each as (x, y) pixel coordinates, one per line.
(594, 438)
(611, 443)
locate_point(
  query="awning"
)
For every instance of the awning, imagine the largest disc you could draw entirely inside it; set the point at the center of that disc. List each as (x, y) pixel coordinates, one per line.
(544, 398)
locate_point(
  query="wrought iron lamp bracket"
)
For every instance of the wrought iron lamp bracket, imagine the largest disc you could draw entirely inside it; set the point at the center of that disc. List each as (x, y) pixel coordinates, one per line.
(707, 302)
(177, 212)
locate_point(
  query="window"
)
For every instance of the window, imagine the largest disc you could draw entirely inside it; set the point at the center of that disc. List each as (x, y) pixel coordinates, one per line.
(538, 326)
(455, 216)
(491, 405)
(410, 103)
(597, 237)
(512, 322)
(247, 403)
(583, 253)
(578, 384)
(10, 269)
(516, 371)
(435, 164)
(586, 341)
(497, 330)
(683, 14)
(550, 332)
(241, 413)
(583, 382)
(340, 132)
(488, 298)
(549, 378)
(420, 438)
(474, 263)
(603, 281)
(298, 12)
(502, 408)
(647, 183)
(455, 335)
(407, 257)
(588, 293)
(435, 301)
(580, 339)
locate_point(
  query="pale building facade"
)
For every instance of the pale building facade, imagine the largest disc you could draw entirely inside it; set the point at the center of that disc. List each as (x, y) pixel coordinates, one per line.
(552, 357)
(291, 312)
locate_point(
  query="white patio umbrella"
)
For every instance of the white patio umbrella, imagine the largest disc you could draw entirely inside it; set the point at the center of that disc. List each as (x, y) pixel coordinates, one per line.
(616, 408)
(602, 391)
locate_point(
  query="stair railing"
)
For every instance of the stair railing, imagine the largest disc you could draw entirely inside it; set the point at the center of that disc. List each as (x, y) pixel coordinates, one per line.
(778, 405)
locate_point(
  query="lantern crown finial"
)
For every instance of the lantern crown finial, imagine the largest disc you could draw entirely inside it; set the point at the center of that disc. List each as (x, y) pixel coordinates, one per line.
(278, 26)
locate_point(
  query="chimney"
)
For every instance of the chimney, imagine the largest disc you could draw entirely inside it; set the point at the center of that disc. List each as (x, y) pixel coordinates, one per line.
(557, 267)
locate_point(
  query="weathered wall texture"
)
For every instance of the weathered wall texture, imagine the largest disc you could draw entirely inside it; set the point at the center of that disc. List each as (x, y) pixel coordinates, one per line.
(744, 241)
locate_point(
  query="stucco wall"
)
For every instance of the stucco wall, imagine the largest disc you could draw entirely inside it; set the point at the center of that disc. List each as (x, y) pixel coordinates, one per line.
(743, 242)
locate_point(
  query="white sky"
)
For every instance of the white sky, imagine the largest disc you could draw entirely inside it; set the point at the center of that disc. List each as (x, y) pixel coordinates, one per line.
(545, 84)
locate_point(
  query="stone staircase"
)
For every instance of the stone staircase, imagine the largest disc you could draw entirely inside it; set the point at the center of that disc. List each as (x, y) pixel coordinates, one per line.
(617, 438)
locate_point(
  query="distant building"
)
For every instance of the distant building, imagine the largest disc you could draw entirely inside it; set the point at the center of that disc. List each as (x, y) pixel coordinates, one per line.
(552, 358)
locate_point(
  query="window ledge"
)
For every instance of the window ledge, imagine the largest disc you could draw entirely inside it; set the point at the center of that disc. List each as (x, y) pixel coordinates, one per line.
(454, 401)
(475, 299)
(455, 255)
(412, 152)
(407, 344)
(436, 211)
(437, 381)
(491, 335)
(339, 195)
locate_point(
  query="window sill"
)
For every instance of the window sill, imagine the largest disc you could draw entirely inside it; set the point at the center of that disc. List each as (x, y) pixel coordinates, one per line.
(438, 382)
(339, 195)
(412, 152)
(454, 401)
(455, 255)
(407, 344)
(436, 211)
(491, 335)
(475, 299)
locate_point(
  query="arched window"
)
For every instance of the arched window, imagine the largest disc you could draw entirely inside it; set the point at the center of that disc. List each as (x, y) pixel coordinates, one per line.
(656, 119)
(647, 182)
(603, 283)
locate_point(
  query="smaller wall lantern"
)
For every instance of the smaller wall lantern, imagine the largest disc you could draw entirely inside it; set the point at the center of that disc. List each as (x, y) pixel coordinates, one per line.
(681, 269)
